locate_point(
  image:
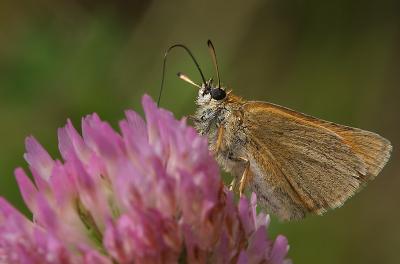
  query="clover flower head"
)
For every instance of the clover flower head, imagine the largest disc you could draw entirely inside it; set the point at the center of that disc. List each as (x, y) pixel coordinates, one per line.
(149, 194)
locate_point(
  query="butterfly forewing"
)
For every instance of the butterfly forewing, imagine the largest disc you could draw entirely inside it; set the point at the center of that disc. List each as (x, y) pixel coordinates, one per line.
(301, 164)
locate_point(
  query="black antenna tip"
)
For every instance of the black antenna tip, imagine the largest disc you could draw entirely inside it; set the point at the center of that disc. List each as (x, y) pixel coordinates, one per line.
(209, 43)
(179, 74)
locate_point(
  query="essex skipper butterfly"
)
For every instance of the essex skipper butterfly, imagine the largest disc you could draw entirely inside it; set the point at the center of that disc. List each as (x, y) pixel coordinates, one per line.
(297, 164)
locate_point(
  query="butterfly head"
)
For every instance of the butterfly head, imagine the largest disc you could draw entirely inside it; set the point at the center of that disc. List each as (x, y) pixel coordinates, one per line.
(208, 91)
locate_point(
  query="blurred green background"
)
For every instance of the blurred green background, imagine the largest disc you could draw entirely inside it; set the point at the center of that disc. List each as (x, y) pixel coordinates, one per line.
(337, 60)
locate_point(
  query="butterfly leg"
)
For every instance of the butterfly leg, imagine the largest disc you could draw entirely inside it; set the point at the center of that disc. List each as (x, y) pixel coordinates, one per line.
(218, 144)
(233, 185)
(245, 177)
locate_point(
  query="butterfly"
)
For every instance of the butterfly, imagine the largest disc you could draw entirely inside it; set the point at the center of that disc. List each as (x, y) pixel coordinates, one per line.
(295, 163)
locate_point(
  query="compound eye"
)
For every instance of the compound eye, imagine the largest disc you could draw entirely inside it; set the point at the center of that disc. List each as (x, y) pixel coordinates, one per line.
(218, 94)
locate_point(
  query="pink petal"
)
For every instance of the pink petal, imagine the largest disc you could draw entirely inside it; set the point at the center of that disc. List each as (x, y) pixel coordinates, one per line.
(101, 138)
(135, 145)
(38, 158)
(51, 249)
(62, 185)
(94, 257)
(8, 211)
(138, 125)
(150, 111)
(71, 143)
(279, 250)
(27, 189)
(91, 194)
(260, 219)
(243, 258)
(45, 215)
(258, 246)
(246, 216)
(114, 243)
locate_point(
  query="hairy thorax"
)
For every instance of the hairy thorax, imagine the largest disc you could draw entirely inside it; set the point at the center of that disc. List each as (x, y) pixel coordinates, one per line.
(209, 117)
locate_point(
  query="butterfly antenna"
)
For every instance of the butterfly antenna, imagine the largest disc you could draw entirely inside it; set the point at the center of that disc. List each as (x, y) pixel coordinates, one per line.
(187, 79)
(214, 58)
(165, 63)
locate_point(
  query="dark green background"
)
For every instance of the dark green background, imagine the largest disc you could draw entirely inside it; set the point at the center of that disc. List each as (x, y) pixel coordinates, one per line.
(337, 60)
